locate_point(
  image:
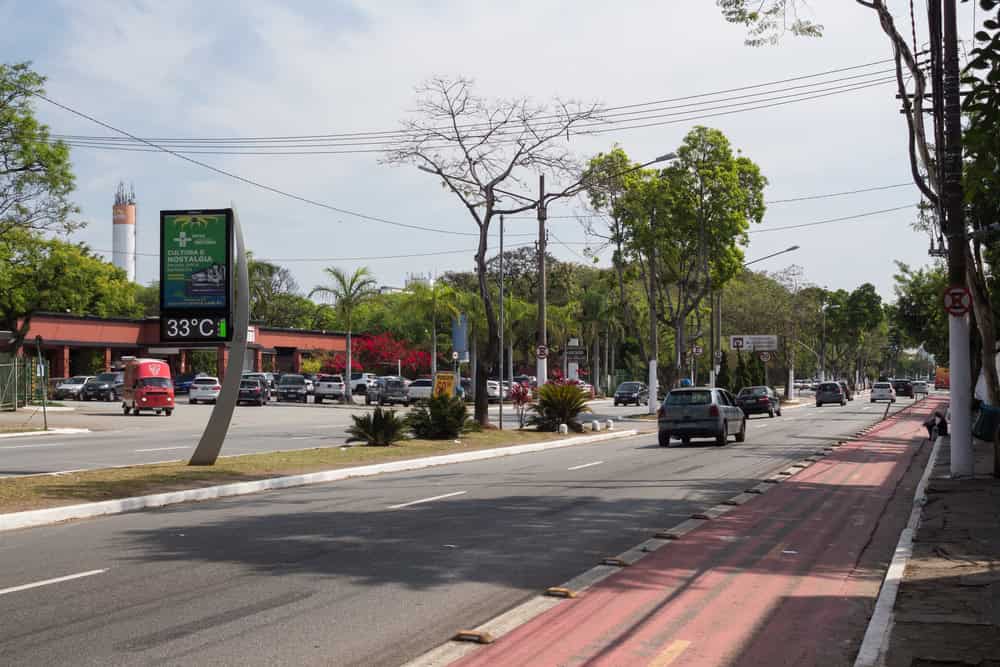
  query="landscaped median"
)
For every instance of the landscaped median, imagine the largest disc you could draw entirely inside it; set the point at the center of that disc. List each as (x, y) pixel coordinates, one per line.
(43, 499)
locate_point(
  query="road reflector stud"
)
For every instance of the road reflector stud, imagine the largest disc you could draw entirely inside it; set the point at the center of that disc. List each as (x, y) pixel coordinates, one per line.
(784, 472)
(667, 535)
(474, 636)
(560, 592)
(614, 560)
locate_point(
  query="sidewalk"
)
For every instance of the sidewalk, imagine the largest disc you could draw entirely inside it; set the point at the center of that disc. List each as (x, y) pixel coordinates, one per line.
(789, 578)
(948, 609)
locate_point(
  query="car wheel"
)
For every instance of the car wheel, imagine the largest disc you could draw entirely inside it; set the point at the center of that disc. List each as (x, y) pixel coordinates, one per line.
(770, 413)
(168, 411)
(818, 404)
(317, 398)
(723, 436)
(191, 401)
(742, 435)
(125, 409)
(135, 409)
(779, 412)
(873, 400)
(664, 438)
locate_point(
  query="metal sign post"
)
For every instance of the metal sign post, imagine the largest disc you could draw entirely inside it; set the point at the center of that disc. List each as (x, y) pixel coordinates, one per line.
(214, 435)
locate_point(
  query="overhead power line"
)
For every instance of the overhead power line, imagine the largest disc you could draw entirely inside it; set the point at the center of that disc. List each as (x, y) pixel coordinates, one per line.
(370, 135)
(832, 220)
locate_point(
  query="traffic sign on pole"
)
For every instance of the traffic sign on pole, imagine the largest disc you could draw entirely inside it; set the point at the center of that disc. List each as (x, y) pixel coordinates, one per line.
(541, 352)
(957, 300)
(765, 357)
(698, 350)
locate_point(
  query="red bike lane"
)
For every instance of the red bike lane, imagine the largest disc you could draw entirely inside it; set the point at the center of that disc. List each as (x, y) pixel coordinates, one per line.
(773, 582)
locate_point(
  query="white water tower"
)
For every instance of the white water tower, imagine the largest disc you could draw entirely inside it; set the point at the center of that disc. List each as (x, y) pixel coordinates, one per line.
(123, 217)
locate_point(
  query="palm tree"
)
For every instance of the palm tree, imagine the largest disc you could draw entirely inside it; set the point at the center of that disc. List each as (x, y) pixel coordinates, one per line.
(348, 292)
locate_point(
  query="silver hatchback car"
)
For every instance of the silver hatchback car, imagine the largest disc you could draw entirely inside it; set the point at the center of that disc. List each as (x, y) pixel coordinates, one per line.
(830, 392)
(702, 412)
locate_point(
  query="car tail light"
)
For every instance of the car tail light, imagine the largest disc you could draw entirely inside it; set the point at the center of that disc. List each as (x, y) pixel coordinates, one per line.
(216, 388)
(713, 411)
(762, 400)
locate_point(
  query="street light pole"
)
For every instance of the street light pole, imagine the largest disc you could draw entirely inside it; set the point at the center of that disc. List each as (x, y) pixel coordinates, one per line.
(822, 349)
(500, 372)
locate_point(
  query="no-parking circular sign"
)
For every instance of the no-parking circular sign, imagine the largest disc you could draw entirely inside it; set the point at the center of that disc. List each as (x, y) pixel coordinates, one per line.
(957, 300)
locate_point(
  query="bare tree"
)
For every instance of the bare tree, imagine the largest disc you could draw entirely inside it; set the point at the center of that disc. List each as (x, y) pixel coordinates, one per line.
(483, 150)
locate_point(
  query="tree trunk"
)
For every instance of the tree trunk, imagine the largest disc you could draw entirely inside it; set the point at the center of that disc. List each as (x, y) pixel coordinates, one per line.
(987, 333)
(596, 364)
(348, 389)
(488, 356)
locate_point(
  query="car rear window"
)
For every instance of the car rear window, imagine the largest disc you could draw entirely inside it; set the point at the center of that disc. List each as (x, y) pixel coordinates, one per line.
(881, 385)
(205, 381)
(629, 386)
(292, 379)
(753, 391)
(689, 398)
(106, 377)
(829, 386)
(420, 383)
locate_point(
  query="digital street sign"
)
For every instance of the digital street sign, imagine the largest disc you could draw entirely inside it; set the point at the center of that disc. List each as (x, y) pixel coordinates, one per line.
(196, 253)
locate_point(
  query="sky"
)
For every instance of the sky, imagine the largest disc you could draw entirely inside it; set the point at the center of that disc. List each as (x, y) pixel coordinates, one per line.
(186, 69)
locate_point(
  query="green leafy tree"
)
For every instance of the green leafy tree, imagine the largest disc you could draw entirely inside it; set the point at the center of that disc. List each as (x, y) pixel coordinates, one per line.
(148, 298)
(917, 313)
(38, 274)
(36, 177)
(349, 291)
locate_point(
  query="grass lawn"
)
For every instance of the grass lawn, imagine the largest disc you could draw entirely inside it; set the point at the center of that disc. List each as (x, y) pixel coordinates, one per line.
(18, 428)
(41, 491)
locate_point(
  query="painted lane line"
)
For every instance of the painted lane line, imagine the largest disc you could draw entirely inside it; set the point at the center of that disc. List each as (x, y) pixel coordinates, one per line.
(671, 654)
(585, 465)
(162, 449)
(51, 444)
(427, 500)
(68, 577)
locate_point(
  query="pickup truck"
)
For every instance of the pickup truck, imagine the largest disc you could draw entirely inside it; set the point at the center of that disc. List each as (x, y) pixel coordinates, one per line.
(328, 386)
(420, 390)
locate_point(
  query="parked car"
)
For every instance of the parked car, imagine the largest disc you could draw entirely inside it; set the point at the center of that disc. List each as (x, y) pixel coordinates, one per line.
(361, 381)
(903, 387)
(328, 387)
(920, 388)
(263, 381)
(103, 387)
(830, 392)
(700, 412)
(252, 390)
(421, 390)
(631, 392)
(292, 387)
(759, 400)
(493, 391)
(389, 389)
(847, 390)
(529, 380)
(204, 389)
(146, 386)
(883, 391)
(182, 383)
(71, 387)
(586, 388)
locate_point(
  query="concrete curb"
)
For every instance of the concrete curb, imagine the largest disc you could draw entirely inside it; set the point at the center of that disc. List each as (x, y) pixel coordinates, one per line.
(51, 431)
(871, 653)
(33, 518)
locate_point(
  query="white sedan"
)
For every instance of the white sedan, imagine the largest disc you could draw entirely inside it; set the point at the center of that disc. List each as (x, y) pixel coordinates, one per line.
(205, 389)
(420, 390)
(883, 391)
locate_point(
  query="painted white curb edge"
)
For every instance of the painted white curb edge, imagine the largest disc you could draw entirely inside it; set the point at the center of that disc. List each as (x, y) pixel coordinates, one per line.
(876, 638)
(51, 431)
(32, 518)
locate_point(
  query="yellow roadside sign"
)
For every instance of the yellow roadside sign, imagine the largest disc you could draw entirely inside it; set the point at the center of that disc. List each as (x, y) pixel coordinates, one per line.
(444, 384)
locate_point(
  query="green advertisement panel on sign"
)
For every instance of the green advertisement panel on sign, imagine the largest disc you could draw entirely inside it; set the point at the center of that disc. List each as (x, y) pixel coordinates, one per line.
(195, 251)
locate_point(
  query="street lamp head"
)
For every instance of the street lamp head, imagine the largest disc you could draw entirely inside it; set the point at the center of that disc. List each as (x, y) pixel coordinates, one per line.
(425, 168)
(665, 157)
(790, 249)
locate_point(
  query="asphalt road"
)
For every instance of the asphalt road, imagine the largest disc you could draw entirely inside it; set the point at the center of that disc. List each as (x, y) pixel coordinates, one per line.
(128, 440)
(358, 572)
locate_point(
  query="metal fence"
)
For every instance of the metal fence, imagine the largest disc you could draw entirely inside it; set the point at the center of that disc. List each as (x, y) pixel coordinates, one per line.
(20, 383)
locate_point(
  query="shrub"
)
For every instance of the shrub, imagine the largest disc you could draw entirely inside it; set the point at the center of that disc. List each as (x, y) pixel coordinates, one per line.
(380, 427)
(520, 396)
(442, 417)
(559, 404)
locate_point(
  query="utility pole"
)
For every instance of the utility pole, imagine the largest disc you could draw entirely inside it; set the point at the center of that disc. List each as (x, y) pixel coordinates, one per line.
(711, 340)
(542, 364)
(951, 193)
(654, 342)
(500, 372)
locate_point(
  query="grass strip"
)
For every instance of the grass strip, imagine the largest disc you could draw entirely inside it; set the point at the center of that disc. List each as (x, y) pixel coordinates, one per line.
(42, 491)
